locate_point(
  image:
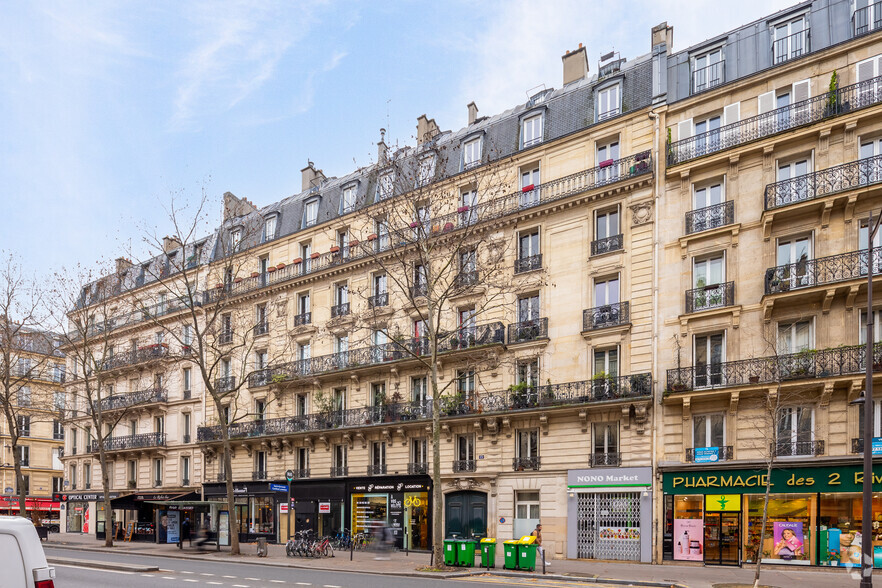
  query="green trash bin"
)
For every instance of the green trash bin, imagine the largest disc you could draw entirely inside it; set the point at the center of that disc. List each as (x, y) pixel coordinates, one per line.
(510, 554)
(526, 556)
(488, 553)
(466, 553)
(450, 549)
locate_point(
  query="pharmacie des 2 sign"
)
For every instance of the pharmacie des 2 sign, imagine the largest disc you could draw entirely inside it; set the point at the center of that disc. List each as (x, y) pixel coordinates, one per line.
(847, 478)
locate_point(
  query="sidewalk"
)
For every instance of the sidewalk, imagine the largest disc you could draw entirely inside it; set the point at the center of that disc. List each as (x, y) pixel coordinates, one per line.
(402, 564)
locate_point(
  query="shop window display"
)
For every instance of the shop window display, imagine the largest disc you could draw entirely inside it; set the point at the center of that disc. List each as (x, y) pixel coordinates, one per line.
(689, 528)
(789, 536)
(839, 533)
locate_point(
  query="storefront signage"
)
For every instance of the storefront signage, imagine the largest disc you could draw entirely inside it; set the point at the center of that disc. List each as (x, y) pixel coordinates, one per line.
(223, 528)
(396, 487)
(82, 496)
(722, 503)
(877, 445)
(599, 477)
(797, 479)
(706, 454)
(173, 532)
(324, 507)
(278, 488)
(154, 496)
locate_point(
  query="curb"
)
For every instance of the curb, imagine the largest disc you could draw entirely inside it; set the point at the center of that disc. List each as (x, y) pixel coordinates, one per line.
(586, 579)
(101, 565)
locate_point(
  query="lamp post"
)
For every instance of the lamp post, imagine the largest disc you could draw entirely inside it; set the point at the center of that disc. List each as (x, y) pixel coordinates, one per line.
(867, 515)
(289, 475)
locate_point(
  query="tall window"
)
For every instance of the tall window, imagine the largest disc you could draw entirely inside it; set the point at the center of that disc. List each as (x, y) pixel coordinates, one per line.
(708, 271)
(235, 239)
(310, 213)
(528, 244)
(303, 305)
(468, 202)
(606, 224)
(709, 430)
(877, 326)
(340, 456)
(531, 130)
(530, 181)
(793, 254)
(794, 337)
(186, 426)
(57, 430)
(426, 172)
(188, 379)
(269, 229)
(471, 153)
(378, 393)
(24, 396)
(384, 186)
(528, 308)
(157, 472)
(24, 454)
(306, 256)
(606, 158)
(418, 453)
(527, 443)
(303, 458)
(24, 425)
(132, 470)
(708, 196)
(260, 465)
(709, 356)
(528, 372)
(609, 102)
(465, 384)
(791, 40)
(260, 320)
(707, 71)
(606, 438)
(185, 470)
(378, 456)
(419, 390)
(606, 291)
(465, 447)
(606, 362)
(187, 335)
(347, 201)
(795, 430)
(382, 230)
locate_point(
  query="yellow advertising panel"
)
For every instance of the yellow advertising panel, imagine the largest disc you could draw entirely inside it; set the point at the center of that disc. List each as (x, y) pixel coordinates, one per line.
(722, 502)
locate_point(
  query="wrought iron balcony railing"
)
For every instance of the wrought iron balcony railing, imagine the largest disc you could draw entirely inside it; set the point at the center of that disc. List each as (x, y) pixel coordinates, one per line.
(528, 264)
(709, 76)
(378, 300)
(708, 297)
(520, 464)
(843, 100)
(793, 448)
(261, 329)
(516, 399)
(607, 315)
(710, 217)
(833, 180)
(609, 459)
(792, 46)
(225, 384)
(301, 473)
(139, 441)
(857, 444)
(808, 364)
(221, 477)
(867, 19)
(723, 453)
(822, 270)
(466, 279)
(376, 469)
(225, 337)
(419, 467)
(121, 401)
(530, 330)
(137, 356)
(259, 475)
(47, 373)
(419, 290)
(465, 465)
(144, 314)
(608, 244)
(339, 472)
(340, 310)
(304, 318)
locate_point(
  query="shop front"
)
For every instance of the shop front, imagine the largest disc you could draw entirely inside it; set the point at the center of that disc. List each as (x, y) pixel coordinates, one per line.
(814, 516)
(610, 514)
(80, 510)
(319, 506)
(256, 506)
(404, 505)
(136, 517)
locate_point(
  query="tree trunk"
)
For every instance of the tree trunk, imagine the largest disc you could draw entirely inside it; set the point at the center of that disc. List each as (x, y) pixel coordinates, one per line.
(19, 478)
(228, 479)
(108, 510)
(762, 536)
(437, 505)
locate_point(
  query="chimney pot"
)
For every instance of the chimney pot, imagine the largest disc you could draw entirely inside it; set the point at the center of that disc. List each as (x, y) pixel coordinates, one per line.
(382, 149)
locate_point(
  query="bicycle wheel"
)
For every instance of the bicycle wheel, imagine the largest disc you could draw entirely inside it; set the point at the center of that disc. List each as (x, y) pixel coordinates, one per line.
(289, 549)
(328, 551)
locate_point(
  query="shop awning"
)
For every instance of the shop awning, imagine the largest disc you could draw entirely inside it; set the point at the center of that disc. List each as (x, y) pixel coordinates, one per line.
(137, 499)
(187, 502)
(46, 504)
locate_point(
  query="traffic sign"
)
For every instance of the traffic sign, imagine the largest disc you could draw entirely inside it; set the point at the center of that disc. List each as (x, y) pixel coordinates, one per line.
(289, 475)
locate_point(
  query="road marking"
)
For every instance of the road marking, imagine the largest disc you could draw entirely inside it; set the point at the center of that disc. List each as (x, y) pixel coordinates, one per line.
(331, 586)
(277, 581)
(215, 583)
(202, 573)
(240, 586)
(189, 580)
(183, 572)
(253, 579)
(169, 578)
(304, 584)
(228, 577)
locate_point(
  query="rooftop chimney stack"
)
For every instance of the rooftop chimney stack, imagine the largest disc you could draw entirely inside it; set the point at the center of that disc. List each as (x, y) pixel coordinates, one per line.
(235, 207)
(426, 129)
(311, 177)
(473, 112)
(575, 65)
(382, 148)
(122, 264)
(169, 244)
(662, 45)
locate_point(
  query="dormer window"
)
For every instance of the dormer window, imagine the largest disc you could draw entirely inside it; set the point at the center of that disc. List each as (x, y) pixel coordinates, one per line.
(310, 212)
(384, 186)
(269, 228)
(347, 200)
(235, 238)
(471, 153)
(531, 130)
(426, 171)
(609, 102)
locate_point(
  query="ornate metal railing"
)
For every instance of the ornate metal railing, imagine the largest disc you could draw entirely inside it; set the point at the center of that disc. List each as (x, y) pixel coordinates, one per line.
(708, 297)
(843, 100)
(340, 310)
(515, 399)
(528, 264)
(259, 475)
(418, 290)
(867, 19)
(790, 448)
(301, 474)
(466, 279)
(225, 384)
(609, 459)
(136, 356)
(531, 330)
(420, 467)
(857, 444)
(520, 464)
(304, 318)
(723, 454)
(465, 465)
(614, 243)
(143, 314)
(376, 469)
(833, 180)
(607, 315)
(225, 337)
(138, 441)
(47, 373)
(261, 329)
(792, 46)
(147, 396)
(378, 300)
(339, 472)
(710, 217)
(708, 77)
(804, 365)
(822, 270)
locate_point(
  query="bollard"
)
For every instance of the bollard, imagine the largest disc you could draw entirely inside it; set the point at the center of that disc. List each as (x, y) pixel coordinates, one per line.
(543, 563)
(351, 548)
(432, 559)
(487, 557)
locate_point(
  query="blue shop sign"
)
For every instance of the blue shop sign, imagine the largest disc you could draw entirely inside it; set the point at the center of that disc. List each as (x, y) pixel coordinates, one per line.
(877, 445)
(706, 454)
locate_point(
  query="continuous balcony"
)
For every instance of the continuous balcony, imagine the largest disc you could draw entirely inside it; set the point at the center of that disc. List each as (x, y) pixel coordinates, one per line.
(825, 182)
(522, 464)
(710, 217)
(710, 297)
(605, 316)
(821, 271)
(723, 453)
(804, 365)
(774, 122)
(123, 401)
(155, 352)
(144, 314)
(627, 387)
(339, 472)
(376, 469)
(607, 244)
(797, 448)
(301, 474)
(139, 441)
(867, 19)
(530, 330)
(708, 77)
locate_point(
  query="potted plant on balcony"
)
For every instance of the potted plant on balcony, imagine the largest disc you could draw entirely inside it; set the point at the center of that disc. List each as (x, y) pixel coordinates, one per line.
(678, 385)
(547, 394)
(335, 249)
(280, 265)
(372, 237)
(602, 384)
(520, 394)
(297, 261)
(831, 105)
(255, 274)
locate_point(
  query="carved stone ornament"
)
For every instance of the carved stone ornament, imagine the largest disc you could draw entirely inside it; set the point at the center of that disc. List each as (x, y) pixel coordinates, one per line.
(641, 213)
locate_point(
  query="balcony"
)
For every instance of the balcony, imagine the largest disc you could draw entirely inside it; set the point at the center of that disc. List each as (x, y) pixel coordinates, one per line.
(376, 469)
(122, 401)
(144, 314)
(139, 441)
(607, 459)
(225, 384)
(708, 77)
(221, 477)
(304, 318)
(150, 353)
(340, 310)
(804, 365)
(722, 454)
(821, 271)
(225, 337)
(301, 474)
(379, 300)
(710, 217)
(465, 465)
(466, 279)
(710, 297)
(419, 467)
(797, 448)
(845, 99)
(339, 472)
(261, 329)
(608, 315)
(520, 464)
(825, 182)
(531, 330)
(607, 244)
(528, 264)
(259, 475)
(419, 290)
(867, 19)
(791, 46)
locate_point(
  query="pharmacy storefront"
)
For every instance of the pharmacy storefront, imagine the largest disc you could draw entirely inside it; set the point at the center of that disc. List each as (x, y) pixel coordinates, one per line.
(814, 516)
(610, 514)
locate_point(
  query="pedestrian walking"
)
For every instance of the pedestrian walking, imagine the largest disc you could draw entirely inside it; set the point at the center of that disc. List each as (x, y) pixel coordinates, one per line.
(537, 533)
(185, 532)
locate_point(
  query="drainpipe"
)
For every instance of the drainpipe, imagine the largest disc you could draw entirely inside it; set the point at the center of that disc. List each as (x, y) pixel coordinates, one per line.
(655, 326)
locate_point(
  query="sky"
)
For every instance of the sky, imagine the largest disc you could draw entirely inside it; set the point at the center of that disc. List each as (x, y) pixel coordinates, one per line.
(109, 109)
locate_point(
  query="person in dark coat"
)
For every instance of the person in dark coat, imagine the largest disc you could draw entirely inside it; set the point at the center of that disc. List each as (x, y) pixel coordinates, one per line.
(185, 532)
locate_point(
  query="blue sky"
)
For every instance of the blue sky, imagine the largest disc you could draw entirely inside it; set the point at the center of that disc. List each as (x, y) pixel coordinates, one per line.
(109, 108)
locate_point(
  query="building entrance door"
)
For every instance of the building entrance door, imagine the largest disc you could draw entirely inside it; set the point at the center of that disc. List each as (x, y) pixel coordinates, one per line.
(722, 542)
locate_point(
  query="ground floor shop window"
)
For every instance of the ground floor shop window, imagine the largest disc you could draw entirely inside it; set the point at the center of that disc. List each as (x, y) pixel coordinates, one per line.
(789, 536)
(257, 515)
(689, 528)
(839, 533)
(368, 510)
(608, 526)
(416, 519)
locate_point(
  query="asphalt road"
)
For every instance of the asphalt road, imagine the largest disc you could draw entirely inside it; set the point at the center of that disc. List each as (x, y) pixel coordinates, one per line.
(205, 574)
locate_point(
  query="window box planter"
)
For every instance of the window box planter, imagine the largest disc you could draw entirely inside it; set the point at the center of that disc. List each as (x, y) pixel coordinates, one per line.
(315, 255)
(255, 274)
(237, 280)
(372, 237)
(297, 261)
(528, 188)
(335, 249)
(448, 227)
(353, 243)
(462, 209)
(271, 269)
(414, 224)
(280, 266)
(218, 286)
(606, 163)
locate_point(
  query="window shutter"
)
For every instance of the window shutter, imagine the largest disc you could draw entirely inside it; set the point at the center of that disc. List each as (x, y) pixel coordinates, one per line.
(684, 129)
(732, 113)
(766, 102)
(800, 91)
(865, 70)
